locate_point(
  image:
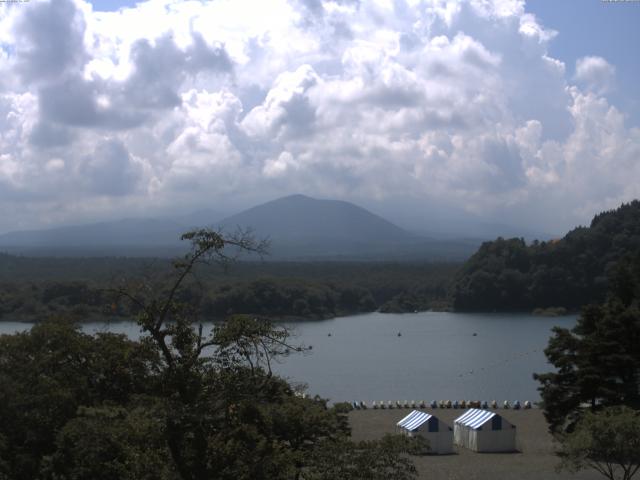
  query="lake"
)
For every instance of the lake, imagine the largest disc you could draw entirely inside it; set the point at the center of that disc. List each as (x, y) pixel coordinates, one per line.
(435, 357)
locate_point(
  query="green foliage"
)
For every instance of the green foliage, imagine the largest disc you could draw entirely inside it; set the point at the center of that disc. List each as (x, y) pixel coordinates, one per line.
(47, 373)
(288, 298)
(80, 288)
(508, 275)
(373, 460)
(111, 443)
(177, 405)
(418, 299)
(607, 441)
(598, 361)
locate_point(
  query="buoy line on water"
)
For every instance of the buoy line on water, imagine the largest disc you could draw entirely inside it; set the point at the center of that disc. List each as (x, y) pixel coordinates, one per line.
(498, 364)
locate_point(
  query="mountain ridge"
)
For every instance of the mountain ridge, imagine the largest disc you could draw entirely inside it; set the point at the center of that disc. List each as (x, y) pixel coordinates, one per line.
(299, 227)
(290, 217)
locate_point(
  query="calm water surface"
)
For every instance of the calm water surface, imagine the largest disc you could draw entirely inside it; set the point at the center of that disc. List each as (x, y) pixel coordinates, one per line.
(435, 357)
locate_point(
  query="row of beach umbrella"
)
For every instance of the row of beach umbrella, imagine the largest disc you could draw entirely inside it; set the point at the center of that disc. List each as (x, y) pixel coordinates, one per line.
(516, 405)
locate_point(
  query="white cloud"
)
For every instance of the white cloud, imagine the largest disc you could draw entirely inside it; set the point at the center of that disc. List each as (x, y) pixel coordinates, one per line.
(54, 165)
(286, 108)
(277, 167)
(595, 74)
(192, 103)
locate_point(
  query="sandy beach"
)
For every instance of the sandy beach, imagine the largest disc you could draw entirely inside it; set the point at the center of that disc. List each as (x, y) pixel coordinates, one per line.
(534, 460)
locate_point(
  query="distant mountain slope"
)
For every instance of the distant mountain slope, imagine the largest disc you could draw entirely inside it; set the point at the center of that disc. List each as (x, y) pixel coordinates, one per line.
(301, 218)
(509, 275)
(126, 237)
(299, 227)
(305, 228)
(117, 233)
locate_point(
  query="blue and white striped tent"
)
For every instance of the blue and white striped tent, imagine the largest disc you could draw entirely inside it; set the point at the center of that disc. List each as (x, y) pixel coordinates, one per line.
(484, 431)
(414, 420)
(475, 418)
(439, 434)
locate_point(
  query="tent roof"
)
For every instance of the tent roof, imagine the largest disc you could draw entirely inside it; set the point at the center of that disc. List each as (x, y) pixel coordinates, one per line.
(412, 421)
(475, 418)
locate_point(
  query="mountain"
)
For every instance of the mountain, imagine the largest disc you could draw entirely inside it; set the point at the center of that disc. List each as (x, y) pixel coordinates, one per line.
(200, 218)
(299, 227)
(302, 218)
(126, 237)
(124, 232)
(302, 227)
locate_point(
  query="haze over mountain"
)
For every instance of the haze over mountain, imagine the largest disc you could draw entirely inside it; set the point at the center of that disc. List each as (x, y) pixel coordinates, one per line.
(304, 227)
(302, 218)
(298, 226)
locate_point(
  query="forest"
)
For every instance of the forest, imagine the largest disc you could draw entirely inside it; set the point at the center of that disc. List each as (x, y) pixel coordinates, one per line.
(503, 275)
(509, 275)
(31, 288)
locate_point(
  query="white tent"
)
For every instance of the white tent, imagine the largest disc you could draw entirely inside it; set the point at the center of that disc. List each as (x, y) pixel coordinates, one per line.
(484, 431)
(439, 434)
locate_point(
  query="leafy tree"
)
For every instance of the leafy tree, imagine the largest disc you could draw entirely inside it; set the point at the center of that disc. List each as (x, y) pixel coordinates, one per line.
(228, 416)
(178, 404)
(111, 443)
(607, 441)
(598, 361)
(47, 373)
(372, 460)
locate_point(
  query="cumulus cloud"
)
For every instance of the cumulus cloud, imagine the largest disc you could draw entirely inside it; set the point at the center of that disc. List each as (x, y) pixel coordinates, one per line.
(595, 74)
(160, 69)
(286, 109)
(195, 103)
(109, 170)
(49, 40)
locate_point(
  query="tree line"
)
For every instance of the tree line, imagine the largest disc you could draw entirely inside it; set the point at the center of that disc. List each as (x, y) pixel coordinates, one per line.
(509, 275)
(274, 290)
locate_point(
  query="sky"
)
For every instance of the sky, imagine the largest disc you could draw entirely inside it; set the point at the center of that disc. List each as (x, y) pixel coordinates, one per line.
(499, 110)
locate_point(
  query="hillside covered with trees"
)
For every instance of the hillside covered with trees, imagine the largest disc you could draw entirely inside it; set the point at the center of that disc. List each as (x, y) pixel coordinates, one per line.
(509, 275)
